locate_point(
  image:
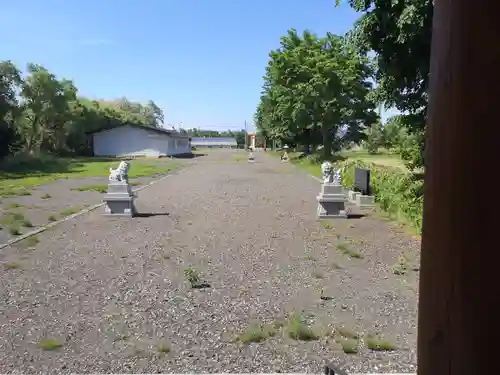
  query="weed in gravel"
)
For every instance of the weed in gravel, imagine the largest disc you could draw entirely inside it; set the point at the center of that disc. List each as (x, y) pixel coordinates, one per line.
(256, 333)
(52, 218)
(344, 249)
(12, 265)
(347, 333)
(317, 274)
(46, 196)
(70, 211)
(98, 188)
(335, 266)
(163, 348)
(298, 330)
(309, 257)
(349, 346)
(30, 241)
(26, 223)
(401, 266)
(375, 343)
(49, 344)
(194, 279)
(11, 218)
(14, 205)
(326, 225)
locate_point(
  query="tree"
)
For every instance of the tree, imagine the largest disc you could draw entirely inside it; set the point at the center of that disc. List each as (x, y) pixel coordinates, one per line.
(400, 34)
(313, 86)
(10, 78)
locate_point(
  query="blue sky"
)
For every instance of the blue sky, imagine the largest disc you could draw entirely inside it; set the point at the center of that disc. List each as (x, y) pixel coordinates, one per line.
(202, 61)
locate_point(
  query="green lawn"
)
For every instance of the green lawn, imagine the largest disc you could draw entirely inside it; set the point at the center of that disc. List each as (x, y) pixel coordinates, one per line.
(382, 158)
(18, 176)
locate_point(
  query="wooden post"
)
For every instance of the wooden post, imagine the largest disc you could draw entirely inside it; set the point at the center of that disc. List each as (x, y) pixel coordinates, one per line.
(459, 294)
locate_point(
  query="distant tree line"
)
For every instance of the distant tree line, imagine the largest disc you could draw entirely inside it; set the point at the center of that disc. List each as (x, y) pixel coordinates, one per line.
(199, 133)
(40, 112)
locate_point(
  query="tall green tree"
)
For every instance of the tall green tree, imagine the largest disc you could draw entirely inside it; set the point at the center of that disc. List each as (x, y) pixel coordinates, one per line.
(400, 33)
(10, 79)
(313, 86)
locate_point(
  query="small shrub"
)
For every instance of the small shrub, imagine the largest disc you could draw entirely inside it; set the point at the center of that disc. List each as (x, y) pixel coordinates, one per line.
(194, 279)
(46, 196)
(401, 266)
(298, 330)
(26, 223)
(32, 241)
(52, 218)
(50, 344)
(326, 225)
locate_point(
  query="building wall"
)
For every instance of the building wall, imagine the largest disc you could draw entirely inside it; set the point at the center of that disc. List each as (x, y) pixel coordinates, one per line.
(130, 141)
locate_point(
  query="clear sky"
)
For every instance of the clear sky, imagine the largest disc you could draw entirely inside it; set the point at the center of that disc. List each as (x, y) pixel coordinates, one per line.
(202, 61)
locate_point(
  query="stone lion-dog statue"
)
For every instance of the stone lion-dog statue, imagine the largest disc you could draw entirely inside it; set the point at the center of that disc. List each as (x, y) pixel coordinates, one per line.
(120, 173)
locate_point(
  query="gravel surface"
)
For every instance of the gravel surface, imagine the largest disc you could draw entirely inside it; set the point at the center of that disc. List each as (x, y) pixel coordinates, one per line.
(113, 294)
(50, 201)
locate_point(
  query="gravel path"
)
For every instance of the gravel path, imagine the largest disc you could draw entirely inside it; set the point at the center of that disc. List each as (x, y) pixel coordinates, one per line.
(54, 200)
(113, 294)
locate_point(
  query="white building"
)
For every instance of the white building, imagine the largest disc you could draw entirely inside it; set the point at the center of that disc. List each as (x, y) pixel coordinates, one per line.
(139, 140)
(213, 142)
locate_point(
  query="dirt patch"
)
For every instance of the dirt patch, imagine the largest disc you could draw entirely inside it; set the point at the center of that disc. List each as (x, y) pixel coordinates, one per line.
(120, 295)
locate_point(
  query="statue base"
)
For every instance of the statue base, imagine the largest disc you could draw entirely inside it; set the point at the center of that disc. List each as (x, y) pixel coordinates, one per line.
(331, 202)
(251, 158)
(119, 199)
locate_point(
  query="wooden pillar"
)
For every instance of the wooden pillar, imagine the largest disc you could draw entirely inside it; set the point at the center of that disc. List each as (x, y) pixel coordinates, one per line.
(459, 285)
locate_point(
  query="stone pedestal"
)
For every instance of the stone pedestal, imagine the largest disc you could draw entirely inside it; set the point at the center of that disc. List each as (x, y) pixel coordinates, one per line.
(119, 199)
(251, 158)
(331, 202)
(365, 201)
(353, 196)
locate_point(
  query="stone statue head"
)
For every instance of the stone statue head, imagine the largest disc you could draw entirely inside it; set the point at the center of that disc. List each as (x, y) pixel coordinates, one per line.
(327, 171)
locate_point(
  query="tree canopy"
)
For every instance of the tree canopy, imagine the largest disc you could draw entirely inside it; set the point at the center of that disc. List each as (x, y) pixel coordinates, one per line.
(313, 87)
(40, 112)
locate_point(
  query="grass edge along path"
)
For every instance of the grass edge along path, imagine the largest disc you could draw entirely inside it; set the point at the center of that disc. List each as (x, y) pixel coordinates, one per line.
(17, 177)
(391, 185)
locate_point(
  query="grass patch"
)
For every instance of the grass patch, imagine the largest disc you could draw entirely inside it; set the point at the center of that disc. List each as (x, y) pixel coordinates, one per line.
(12, 265)
(14, 230)
(46, 196)
(375, 343)
(346, 250)
(257, 333)
(163, 348)
(326, 225)
(99, 188)
(401, 266)
(12, 218)
(70, 211)
(297, 329)
(31, 241)
(22, 172)
(347, 333)
(238, 158)
(349, 346)
(52, 218)
(50, 344)
(14, 205)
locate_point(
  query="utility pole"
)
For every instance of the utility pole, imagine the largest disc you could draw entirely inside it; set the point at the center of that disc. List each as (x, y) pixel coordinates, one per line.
(246, 135)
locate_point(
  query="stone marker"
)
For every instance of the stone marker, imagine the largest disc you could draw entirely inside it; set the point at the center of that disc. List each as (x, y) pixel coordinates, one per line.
(119, 198)
(331, 200)
(361, 195)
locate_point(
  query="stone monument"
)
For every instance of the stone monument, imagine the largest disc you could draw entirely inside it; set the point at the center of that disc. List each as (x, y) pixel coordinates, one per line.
(331, 200)
(119, 198)
(284, 157)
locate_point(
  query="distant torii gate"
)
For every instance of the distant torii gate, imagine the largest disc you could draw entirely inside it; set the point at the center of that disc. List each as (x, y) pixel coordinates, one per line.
(459, 294)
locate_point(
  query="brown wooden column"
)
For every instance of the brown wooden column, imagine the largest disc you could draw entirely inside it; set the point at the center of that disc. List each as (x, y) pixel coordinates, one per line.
(460, 273)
